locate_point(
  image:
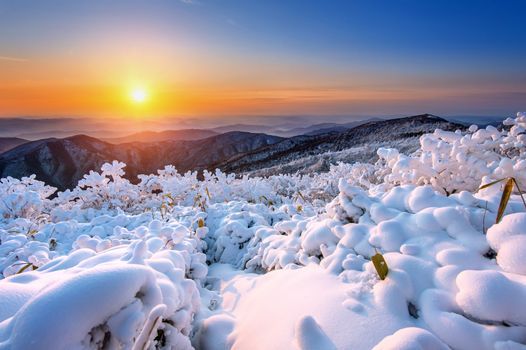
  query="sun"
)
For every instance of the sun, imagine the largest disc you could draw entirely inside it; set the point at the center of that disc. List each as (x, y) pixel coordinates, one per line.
(138, 95)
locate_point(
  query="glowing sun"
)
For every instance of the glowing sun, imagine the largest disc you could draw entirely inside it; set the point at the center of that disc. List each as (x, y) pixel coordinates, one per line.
(138, 95)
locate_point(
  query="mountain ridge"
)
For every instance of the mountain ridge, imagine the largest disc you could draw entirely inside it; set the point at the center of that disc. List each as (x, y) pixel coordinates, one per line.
(383, 131)
(62, 162)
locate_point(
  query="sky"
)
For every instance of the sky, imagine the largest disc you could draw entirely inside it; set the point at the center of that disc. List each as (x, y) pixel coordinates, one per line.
(218, 58)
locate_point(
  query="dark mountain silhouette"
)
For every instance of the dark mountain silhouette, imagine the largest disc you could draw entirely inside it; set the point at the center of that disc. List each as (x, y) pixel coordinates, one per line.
(62, 162)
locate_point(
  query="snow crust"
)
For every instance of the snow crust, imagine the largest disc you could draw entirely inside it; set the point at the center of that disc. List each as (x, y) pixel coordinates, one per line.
(282, 262)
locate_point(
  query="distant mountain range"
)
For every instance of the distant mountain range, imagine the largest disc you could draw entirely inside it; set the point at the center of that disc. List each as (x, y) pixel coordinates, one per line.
(479, 121)
(168, 135)
(289, 130)
(61, 162)
(283, 130)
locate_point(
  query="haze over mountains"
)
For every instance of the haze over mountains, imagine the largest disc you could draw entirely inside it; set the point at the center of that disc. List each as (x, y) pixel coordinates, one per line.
(168, 135)
(33, 129)
(62, 162)
(36, 129)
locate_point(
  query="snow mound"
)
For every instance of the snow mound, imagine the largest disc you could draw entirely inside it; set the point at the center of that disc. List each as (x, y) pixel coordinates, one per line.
(101, 300)
(411, 338)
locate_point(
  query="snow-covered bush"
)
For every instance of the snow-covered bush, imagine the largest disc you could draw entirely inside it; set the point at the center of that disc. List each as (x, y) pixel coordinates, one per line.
(121, 289)
(23, 198)
(104, 190)
(456, 161)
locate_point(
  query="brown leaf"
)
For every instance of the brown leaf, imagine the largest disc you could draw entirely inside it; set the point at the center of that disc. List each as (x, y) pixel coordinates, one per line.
(506, 193)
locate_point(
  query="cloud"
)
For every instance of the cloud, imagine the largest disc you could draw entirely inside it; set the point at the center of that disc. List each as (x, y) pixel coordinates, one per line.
(13, 59)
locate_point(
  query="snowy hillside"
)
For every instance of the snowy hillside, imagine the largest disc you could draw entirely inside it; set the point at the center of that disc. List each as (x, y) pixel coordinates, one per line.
(281, 262)
(305, 154)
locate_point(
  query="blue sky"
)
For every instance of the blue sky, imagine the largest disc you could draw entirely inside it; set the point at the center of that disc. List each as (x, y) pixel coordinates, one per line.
(453, 57)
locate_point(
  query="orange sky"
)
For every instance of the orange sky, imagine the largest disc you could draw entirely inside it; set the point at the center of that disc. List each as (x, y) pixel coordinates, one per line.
(101, 88)
(198, 59)
(77, 86)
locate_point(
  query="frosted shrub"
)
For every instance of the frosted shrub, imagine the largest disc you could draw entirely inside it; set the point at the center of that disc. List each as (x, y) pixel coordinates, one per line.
(456, 161)
(23, 198)
(104, 190)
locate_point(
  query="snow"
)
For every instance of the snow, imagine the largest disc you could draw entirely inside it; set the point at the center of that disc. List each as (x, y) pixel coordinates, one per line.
(511, 225)
(508, 239)
(411, 338)
(282, 262)
(511, 257)
(299, 309)
(486, 295)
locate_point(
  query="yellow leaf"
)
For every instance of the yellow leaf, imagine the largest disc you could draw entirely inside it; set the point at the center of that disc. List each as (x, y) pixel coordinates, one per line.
(380, 265)
(25, 268)
(490, 184)
(508, 188)
(200, 223)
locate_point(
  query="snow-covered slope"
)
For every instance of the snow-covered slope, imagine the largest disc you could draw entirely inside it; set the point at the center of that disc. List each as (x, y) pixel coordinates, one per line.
(358, 144)
(282, 262)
